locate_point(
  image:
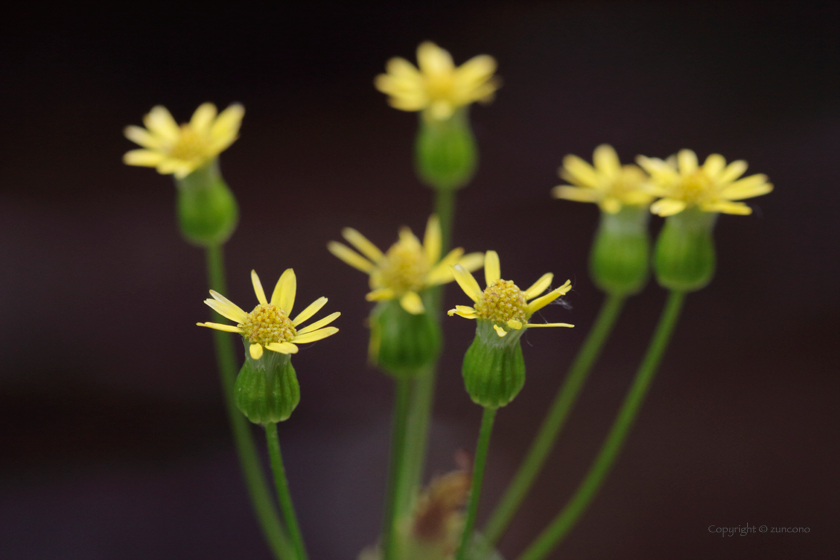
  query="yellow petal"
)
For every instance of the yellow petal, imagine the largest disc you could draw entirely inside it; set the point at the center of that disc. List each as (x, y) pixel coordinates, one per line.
(412, 303)
(441, 273)
(143, 137)
(727, 207)
(577, 194)
(687, 161)
(714, 165)
(472, 261)
(476, 71)
(577, 171)
(226, 311)
(441, 109)
(433, 60)
(381, 294)
(314, 335)
(464, 314)
(282, 347)
(432, 239)
(350, 257)
(541, 302)
(203, 117)
(467, 282)
(320, 323)
(539, 286)
(733, 171)
(226, 126)
(159, 121)
(532, 325)
(667, 207)
(256, 351)
(258, 289)
(492, 268)
(748, 187)
(221, 327)
(285, 291)
(514, 324)
(499, 331)
(606, 161)
(313, 308)
(362, 244)
(143, 158)
(610, 205)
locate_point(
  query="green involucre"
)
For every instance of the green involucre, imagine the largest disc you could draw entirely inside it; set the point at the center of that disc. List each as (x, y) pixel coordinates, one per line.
(445, 151)
(493, 369)
(684, 258)
(267, 390)
(402, 343)
(207, 209)
(619, 259)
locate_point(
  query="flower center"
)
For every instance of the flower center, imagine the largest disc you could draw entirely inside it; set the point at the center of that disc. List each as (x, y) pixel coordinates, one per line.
(696, 187)
(440, 86)
(629, 180)
(267, 324)
(190, 145)
(403, 269)
(502, 301)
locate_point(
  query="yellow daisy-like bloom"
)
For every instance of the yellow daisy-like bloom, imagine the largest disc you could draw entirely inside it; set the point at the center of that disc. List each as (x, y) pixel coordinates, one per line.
(682, 183)
(502, 302)
(407, 268)
(437, 87)
(270, 326)
(609, 184)
(180, 150)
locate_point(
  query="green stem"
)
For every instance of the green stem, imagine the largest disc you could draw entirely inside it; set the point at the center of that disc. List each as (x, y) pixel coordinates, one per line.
(391, 543)
(563, 403)
(423, 388)
(477, 477)
(565, 520)
(255, 481)
(282, 485)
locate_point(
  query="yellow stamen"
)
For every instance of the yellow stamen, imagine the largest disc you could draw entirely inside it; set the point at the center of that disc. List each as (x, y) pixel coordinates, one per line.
(501, 302)
(267, 324)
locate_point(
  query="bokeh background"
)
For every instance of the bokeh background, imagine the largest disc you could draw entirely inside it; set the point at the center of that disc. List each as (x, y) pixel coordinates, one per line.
(113, 439)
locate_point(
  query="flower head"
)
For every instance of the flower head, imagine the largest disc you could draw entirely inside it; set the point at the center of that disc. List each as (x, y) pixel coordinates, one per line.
(180, 150)
(681, 184)
(270, 326)
(437, 87)
(502, 302)
(609, 184)
(408, 267)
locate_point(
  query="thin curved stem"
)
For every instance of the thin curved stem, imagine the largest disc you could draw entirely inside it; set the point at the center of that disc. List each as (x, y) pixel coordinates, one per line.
(553, 423)
(477, 478)
(283, 495)
(566, 519)
(246, 450)
(391, 543)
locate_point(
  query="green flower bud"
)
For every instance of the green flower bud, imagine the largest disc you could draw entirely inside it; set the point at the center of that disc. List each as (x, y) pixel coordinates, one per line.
(267, 389)
(445, 151)
(494, 369)
(207, 210)
(684, 257)
(618, 263)
(401, 343)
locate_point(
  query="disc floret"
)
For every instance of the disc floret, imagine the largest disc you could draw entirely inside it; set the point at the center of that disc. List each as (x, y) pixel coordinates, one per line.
(267, 324)
(501, 302)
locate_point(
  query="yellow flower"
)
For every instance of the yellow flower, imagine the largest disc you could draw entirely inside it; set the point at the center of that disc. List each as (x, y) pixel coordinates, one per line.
(180, 150)
(269, 326)
(438, 87)
(712, 188)
(502, 302)
(407, 268)
(609, 184)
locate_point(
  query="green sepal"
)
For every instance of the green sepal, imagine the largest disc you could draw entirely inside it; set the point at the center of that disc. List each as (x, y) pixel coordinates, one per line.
(494, 368)
(267, 390)
(207, 209)
(445, 151)
(402, 343)
(684, 258)
(619, 261)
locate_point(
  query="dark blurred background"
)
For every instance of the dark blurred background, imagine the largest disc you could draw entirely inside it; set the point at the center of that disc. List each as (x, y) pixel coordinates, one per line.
(113, 437)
